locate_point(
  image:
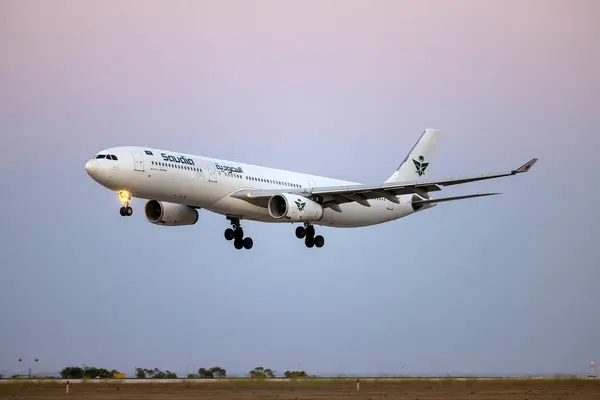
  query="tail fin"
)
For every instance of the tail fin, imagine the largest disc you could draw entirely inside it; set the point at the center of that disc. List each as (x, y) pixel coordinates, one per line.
(416, 163)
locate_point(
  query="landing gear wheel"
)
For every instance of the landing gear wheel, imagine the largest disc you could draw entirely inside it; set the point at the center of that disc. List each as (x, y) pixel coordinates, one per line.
(307, 232)
(300, 232)
(236, 233)
(309, 241)
(126, 211)
(319, 241)
(239, 233)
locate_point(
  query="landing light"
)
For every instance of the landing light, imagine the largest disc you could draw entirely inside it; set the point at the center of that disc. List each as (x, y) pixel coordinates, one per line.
(124, 196)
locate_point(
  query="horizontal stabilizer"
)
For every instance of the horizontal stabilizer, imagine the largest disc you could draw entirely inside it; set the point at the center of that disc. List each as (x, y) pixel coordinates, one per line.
(443, 199)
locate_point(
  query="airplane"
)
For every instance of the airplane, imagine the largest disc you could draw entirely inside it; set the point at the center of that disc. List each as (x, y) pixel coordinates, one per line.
(178, 185)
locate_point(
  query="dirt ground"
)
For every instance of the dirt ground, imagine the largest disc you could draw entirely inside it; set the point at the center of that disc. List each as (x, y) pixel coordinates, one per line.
(341, 389)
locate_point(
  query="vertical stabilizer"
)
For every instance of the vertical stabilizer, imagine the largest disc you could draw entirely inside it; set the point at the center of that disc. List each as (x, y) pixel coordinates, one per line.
(416, 164)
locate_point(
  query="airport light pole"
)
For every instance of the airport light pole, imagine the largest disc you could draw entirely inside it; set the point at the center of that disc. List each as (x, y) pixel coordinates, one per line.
(35, 367)
(20, 360)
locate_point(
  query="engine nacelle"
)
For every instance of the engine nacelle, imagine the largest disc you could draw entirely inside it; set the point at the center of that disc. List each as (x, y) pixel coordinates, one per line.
(416, 206)
(170, 214)
(294, 208)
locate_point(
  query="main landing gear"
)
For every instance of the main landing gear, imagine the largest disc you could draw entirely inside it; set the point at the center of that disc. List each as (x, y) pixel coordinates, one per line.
(236, 233)
(307, 232)
(125, 197)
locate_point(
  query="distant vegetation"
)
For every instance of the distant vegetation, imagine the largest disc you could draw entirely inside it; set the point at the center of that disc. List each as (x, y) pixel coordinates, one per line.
(210, 373)
(77, 372)
(143, 373)
(89, 373)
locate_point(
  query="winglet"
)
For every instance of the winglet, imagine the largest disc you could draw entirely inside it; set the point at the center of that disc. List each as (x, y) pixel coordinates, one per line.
(525, 167)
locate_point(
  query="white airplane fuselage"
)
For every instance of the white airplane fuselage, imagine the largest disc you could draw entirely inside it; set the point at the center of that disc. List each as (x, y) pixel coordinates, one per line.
(208, 183)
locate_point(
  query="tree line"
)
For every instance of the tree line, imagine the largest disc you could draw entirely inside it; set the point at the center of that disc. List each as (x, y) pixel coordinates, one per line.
(77, 372)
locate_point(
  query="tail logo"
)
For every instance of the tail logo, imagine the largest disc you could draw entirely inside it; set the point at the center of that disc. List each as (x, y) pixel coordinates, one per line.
(420, 165)
(300, 204)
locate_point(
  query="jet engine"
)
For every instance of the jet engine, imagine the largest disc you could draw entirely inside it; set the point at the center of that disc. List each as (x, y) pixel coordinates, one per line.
(170, 214)
(294, 208)
(416, 206)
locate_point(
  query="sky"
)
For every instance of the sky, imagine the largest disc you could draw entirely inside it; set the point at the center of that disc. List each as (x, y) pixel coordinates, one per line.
(498, 285)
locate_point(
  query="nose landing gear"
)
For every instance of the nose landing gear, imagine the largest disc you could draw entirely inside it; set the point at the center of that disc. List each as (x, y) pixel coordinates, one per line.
(236, 233)
(125, 198)
(307, 232)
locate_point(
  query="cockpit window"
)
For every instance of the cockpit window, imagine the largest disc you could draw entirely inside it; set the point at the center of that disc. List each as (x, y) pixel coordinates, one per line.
(148, 152)
(113, 157)
(101, 156)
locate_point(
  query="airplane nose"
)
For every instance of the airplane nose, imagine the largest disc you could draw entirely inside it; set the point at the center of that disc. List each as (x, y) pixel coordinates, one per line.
(91, 167)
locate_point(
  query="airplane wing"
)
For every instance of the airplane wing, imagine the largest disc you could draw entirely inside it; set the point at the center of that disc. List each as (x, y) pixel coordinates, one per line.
(335, 195)
(443, 199)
